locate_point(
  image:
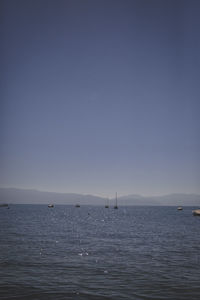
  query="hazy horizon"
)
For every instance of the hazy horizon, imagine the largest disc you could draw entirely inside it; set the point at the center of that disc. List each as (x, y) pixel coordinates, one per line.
(100, 96)
(101, 195)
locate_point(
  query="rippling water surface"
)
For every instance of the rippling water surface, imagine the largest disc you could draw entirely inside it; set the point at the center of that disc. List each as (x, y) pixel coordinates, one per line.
(97, 253)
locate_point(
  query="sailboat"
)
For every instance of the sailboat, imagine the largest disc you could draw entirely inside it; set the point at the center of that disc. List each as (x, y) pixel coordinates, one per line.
(107, 204)
(116, 206)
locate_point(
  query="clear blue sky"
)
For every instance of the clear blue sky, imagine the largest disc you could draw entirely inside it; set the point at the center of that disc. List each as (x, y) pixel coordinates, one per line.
(101, 96)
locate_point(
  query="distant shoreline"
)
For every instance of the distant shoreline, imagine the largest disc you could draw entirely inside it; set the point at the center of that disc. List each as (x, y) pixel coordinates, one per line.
(25, 196)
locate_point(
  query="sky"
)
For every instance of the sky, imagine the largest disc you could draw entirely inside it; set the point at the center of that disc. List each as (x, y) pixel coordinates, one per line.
(100, 96)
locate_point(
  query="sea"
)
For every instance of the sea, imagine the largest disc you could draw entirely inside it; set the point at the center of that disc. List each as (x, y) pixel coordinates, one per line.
(98, 253)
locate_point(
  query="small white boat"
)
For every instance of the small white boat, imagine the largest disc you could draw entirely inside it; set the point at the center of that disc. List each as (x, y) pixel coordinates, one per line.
(196, 212)
(50, 205)
(179, 208)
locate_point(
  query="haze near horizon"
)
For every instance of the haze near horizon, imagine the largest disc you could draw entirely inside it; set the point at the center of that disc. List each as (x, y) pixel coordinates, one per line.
(100, 96)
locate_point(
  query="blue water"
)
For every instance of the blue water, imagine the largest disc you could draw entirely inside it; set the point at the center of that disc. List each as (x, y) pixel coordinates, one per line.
(97, 253)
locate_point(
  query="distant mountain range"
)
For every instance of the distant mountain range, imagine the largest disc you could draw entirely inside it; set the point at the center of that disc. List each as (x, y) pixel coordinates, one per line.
(22, 196)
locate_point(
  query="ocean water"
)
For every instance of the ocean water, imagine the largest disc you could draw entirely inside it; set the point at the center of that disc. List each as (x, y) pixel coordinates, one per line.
(97, 253)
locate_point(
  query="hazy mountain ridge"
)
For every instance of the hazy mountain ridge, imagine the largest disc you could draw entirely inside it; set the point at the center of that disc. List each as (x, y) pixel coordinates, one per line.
(170, 199)
(28, 196)
(22, 196)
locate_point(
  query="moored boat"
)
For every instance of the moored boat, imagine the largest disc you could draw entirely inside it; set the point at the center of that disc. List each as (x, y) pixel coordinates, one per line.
(3, 205)
(107, 204)
(179, 208)
(50, 205)
(196, 212)
(116, 206)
